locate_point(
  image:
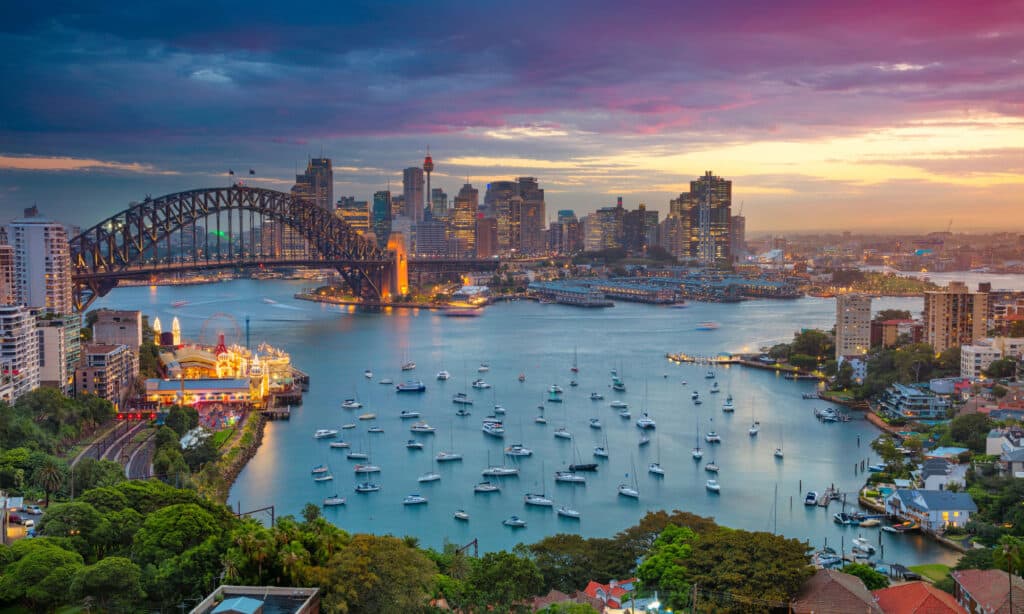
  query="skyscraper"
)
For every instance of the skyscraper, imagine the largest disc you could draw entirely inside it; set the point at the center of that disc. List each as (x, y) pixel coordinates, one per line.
(738, 237)
(704, 217)
(438, 203)
(954, 316)
(317, 183)
(42, 263)
(19, 349)
(412, 192)
(519, 210)
(486, 237)
(853, 325)
(532, 216)
(381, 219)
(496, 204)
(8, 289)
(462, 223)
(355, 213)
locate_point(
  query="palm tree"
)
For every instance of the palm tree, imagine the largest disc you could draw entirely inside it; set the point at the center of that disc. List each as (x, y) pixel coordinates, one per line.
(1008, 553)
(49, 476)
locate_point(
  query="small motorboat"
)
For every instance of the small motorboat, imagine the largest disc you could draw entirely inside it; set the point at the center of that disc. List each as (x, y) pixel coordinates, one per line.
(522, 377)
(566, 512)
(334, 501)
(422, 427)
(711, 467)
(499, 410)
(480, 384)
(595, 423)
(413, 385)
(811, 498)
(644, 440)
(694, 395)
(442, 376)
(375, 429)
(596, 396)
(325, 434)
(432, 476)
(366, 468)
(517, 450)
(712, 437)
(460, 398)
(540, 420)
(778, 453)
(624, 414)
(754, 429)
(486, 487)
(367, 416)
(348, 426)
(697, 453)
(870, 522)
(714, 388)
(645, 422)
(515, 522)
(574, 383)
(357, 456)
(408, 414)
(368, 374)
(862, 545)
(412, 444)
(601, 452)
(618, 405)
(414, 499)
(364, 487)
(555, 389)
(713, 486)
(339, 444)
(709, 375)
(562, 433)
(656, 469)
(483, 368)
(386, 381)
(351, 404)
(461, 515)
(876, 468)
(843, 518)
(319, 469)
(461, 412)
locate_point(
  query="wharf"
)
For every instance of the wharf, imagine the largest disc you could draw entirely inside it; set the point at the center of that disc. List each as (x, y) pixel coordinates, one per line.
(747, 360)
(278, 413)
(301, 378)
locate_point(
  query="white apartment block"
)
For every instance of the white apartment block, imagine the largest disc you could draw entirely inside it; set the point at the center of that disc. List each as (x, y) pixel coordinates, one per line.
(977, 356)
(19, 350)
(42, 264)
(853, 325)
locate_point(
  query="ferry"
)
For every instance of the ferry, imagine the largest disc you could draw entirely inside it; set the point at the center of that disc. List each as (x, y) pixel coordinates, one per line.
(411, 386)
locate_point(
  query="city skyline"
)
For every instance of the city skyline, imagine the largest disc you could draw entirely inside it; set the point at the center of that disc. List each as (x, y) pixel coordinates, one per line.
(824, 116)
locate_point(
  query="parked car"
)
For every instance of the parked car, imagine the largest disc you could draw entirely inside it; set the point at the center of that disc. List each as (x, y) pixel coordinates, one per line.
(14, 519)
(34, 509)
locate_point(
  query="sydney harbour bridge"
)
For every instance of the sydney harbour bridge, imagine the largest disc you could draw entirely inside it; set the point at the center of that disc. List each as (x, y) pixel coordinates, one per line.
(213, 228)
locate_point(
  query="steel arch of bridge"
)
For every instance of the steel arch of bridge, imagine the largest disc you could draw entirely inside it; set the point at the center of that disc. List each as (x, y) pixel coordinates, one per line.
(117, 247)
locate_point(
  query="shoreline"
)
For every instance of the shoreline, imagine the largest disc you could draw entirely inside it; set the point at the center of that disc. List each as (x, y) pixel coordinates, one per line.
(331, 300)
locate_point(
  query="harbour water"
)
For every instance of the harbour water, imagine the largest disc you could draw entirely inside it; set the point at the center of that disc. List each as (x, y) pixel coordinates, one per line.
(336, 344)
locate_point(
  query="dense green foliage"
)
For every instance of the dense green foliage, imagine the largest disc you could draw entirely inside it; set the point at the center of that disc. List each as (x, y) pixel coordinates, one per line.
(907, 364)
(1003, 367)
(874, 580)
(47, 421)
(892, 314)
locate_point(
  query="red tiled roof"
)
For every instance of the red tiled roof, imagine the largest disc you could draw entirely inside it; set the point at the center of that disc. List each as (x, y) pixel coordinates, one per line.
(916, 598)
(989, 587)
(829, 590)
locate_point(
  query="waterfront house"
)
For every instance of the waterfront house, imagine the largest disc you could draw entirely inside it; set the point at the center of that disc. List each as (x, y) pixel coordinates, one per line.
(939, 473)
(934, 510)
(829, 590)
(916, 598)
(987, 591)
(910, 403)
(611, 594)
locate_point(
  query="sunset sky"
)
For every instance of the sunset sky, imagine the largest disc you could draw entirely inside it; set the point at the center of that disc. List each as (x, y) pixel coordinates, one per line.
(887, 116)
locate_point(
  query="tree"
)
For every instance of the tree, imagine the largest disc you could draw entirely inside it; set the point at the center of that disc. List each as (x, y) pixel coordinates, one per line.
(502, 578)
(86, 530)
(971, 430)
(112, 582)
(182, 419)
(567, 561)
(844, 376)
(379, 574)
(813, 342)
(171, 531)
(666, 567)
(1008, 553)
(977, 558)
(779, 351)
(892, 314)
(1003, 367)
(872, 579)
(38, 574)
(569, 608)
(50, 477)
(948, 362)
(803, 361)
(756, 565)
(310, 512)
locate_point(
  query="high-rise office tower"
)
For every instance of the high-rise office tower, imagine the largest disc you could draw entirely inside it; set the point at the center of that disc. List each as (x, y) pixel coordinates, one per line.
(639, 229)
(381, 219)
(355, 213)
(738, 237)
(954, 316)
(42, 263)
(853, 325)
(486, 237)
(705, 213)
(496, 205)
(317, 183)
(532, 216)
(439, 203)
(412, 192)
(19, 350)
(462, 224)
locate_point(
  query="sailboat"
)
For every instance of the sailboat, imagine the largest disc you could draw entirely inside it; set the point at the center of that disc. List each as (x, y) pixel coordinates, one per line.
(755, 426)
(631, 491)
(712, 436)
(538, 500)
(498, 470)
(602, 451)
(448, 456)
(432, 475)
(575, 360)
(571, 513)
(498, 409)
(728, 407)
(778, 450)
(322, 475)
(655, 467)
(697, 453)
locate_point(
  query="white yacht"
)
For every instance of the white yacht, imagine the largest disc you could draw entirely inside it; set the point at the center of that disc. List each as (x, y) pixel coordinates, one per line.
(713, 485)
(711, 467)
(569, 477)
(408, 366)
(625, 490)
(348, 426)
(595, 423)
(460, 398)
(486, 487)
(655, 468)
(443, 457)
(364, 487)
(462, 515)
(414, 499)
(645, 422)
(351, 404)
(339, 444)
(366, 468)
(325, 434)
(618, 405)
(517, 449)
(712, 437)
(567, 512)
(515, 522)
(319, 469)
(483, 368)
(422, 427)
(412, 444)
(480, 384)
(538, 500)
(728, 407)
(357, 456)
(408, 414)
(334, 501)
(563, 433)
(443, 375)
(499, 471)
(384, 381)
(754, 429)
(375, 429)
(430, 476)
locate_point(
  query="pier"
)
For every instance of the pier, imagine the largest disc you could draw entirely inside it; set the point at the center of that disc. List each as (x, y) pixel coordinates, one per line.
(278, 413)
